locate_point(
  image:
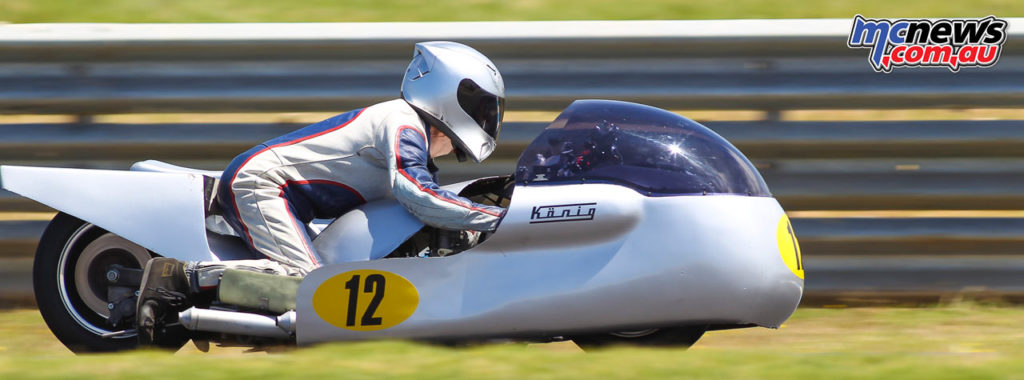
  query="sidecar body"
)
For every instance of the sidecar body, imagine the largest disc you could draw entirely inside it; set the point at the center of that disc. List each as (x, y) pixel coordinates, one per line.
(624, 217)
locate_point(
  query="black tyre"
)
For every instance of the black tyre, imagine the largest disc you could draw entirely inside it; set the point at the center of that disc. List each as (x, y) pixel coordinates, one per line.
(679, 337)
(69, 279)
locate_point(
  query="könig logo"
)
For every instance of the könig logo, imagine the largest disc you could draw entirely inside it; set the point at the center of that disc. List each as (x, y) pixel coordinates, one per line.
(563, 213)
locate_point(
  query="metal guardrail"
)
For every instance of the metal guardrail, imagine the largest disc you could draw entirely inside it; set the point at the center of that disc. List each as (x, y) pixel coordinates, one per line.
(761, 140)
(738, 64)
(769, 65)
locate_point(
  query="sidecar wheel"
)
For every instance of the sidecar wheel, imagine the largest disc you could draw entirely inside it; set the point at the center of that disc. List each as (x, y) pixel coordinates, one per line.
(68, 277)
(680, 337)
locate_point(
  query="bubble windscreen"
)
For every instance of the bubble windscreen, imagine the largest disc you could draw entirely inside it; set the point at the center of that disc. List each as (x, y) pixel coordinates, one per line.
(646, 148)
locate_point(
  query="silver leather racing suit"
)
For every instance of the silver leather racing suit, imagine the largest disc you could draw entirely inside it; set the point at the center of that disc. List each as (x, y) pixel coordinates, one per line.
(271, 192)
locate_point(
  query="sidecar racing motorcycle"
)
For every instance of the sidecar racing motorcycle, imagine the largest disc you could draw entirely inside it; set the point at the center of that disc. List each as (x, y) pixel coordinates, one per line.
(626, 224)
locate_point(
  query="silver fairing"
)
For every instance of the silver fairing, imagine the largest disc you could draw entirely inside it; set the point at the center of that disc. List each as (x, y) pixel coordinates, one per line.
(371, 231)
(605, 258)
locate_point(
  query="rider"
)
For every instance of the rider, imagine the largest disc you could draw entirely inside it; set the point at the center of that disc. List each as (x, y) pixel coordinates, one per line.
(452, 99)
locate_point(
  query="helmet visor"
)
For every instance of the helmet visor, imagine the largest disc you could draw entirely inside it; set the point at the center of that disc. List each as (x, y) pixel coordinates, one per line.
(484, 107)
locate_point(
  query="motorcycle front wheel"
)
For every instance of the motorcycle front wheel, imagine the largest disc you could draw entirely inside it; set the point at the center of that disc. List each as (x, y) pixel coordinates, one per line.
(69, 278)
(679, 337)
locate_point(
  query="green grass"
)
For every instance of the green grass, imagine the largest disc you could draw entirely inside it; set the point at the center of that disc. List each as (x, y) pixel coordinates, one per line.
(23, 11)
(932, 343)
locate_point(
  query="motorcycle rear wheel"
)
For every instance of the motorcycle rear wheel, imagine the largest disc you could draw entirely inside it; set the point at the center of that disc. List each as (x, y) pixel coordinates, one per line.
(68, 277)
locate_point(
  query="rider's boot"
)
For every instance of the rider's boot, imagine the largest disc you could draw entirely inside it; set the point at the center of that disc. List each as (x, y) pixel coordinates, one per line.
(165, 291)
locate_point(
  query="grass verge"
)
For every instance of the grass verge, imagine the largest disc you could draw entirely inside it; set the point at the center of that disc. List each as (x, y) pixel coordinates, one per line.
(966, 341)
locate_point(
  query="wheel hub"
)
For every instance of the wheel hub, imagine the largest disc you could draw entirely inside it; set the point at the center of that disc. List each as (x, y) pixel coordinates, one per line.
(634, 334)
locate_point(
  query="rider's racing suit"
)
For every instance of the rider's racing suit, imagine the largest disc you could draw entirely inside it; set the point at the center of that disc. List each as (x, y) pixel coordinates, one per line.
(271, 192)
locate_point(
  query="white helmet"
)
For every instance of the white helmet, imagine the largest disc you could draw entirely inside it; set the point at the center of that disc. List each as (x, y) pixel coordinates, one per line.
(459, 91)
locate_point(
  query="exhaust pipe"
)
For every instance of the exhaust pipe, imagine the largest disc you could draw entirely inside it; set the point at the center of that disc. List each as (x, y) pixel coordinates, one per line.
(231, 322)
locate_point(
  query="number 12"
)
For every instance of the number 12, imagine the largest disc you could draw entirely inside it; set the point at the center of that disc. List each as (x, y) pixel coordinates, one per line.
(374, 284)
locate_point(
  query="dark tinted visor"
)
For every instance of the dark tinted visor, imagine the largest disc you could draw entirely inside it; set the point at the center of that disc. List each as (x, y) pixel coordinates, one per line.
(485, 108)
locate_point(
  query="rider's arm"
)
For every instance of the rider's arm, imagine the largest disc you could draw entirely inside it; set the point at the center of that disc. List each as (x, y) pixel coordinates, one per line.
(414, 187)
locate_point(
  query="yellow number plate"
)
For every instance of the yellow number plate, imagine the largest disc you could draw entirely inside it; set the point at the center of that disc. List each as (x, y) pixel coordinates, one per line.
(366, 300)
(788, 247)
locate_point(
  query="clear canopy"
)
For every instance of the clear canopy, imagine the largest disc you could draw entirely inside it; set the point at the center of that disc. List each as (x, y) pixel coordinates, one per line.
(651, 150)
